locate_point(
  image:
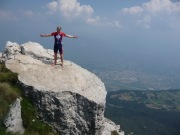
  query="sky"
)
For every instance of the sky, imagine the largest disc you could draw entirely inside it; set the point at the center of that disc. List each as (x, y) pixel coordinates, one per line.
(136, 30)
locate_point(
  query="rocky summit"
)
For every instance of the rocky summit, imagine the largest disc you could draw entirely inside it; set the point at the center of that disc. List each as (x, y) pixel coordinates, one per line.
(72, 99)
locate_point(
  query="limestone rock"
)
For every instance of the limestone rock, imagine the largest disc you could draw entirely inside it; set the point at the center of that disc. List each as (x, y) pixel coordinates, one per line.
(1, 57)
(13, 122)
(72, 100)
(11, 50)
(111, 126)
(36, 50)
(32, 49)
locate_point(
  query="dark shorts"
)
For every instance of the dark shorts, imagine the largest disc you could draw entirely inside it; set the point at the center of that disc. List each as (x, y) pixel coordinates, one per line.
(58, 47)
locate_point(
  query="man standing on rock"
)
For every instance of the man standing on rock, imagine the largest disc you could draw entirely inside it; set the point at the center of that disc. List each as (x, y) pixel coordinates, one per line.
(58, 36)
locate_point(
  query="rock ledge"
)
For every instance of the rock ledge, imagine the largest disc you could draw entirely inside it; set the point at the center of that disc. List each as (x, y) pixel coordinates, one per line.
(72, 100)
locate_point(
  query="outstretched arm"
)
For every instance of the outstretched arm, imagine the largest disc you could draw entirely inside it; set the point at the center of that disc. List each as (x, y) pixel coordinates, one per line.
(71, 36)
(45, 35)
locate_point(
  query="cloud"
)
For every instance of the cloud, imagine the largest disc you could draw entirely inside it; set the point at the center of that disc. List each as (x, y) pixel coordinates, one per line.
(103, 22)
(154, 11)
(114, 24)
(52, 7)
(94, 21)
(72, 10)
(156, 6)
(133, 10)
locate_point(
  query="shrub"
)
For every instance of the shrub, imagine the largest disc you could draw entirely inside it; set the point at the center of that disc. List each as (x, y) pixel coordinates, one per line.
(7, 76)
(114, 132)
(3, 68)
(7, 96)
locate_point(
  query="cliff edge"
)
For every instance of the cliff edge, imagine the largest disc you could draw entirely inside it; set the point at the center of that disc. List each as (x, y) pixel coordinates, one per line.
(72, 100)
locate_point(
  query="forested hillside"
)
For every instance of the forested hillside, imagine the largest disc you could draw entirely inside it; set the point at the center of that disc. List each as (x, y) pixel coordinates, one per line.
(145, 112)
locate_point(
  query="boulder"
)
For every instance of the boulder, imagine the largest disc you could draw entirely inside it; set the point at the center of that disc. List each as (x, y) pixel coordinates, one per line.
(13, 121)
(36, 51)
(72, 100)
(11, 50)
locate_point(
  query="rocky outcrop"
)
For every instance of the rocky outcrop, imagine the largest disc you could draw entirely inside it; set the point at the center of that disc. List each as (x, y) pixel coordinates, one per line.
(111, 126)
(13, 122)
(1, 57)
(72, 100)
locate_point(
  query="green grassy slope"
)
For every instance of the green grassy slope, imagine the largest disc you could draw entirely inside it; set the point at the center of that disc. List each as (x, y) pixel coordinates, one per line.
(9, 91)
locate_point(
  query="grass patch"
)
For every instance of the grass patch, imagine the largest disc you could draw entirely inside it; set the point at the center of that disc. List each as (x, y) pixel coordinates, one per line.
(9, 91)
(7, 76)
(31, 123)
(7, 97)
(3, 132)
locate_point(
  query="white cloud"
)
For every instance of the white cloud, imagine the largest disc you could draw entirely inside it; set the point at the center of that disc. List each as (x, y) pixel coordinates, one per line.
(94, 21)
(145, 19)
(115, 24)
(72, 9)
(52, 7)
(154, 11)
(175, 7)
(156, 6)
(133, 10)
(103, 22)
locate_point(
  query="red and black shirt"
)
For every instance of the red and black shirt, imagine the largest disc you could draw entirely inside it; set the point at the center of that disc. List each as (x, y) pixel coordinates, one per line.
(58, 36)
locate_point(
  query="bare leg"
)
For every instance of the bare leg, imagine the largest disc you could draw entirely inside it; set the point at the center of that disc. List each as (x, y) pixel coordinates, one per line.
(55, 58)
(61, 55)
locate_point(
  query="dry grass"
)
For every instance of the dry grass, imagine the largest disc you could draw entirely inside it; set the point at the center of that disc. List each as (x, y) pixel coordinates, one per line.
(7, 96)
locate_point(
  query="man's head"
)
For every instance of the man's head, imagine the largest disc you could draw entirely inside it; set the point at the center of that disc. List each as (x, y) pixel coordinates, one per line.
(59, 29)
